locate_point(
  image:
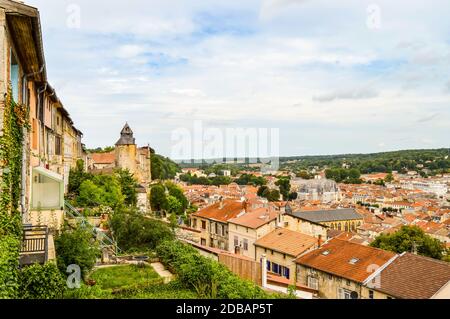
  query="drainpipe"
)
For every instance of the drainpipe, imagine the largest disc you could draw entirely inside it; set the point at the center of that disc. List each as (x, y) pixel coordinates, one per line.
(25, 99)
(264, 270)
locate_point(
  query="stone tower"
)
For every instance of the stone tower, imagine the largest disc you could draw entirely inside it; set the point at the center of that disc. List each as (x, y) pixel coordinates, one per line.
(126, 150)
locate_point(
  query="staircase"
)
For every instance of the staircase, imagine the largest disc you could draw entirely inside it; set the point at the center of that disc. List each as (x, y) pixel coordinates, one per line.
(106, 242)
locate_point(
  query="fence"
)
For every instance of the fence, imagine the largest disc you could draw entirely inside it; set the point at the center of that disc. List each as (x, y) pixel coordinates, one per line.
(243, 267)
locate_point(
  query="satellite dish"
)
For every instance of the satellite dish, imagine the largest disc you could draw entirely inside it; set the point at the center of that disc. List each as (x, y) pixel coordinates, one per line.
(354, 295)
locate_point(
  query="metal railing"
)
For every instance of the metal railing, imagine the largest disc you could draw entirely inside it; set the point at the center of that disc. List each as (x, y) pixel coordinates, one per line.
(103, 239)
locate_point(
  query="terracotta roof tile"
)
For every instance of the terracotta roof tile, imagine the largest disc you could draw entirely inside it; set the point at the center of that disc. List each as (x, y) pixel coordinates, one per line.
(222, 211)
(335, 257)
(104, 158)
(287, 242)
(414, 277)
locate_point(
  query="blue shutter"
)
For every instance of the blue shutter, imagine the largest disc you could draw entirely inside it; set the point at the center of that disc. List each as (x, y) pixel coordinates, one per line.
(287, 272)
(268, 265)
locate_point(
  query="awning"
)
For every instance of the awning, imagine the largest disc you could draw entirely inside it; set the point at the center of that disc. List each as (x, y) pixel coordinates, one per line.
(48, 173)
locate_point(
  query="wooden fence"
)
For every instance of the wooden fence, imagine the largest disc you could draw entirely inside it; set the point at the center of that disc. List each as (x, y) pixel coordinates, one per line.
(244, 268)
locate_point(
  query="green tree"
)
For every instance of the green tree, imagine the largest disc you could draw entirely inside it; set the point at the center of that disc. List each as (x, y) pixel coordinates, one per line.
(409, 238)
(174, 207)
(158, 198)
(77, 246)
(133, 231)
(284, 184)
(76, 177)
(128, 185)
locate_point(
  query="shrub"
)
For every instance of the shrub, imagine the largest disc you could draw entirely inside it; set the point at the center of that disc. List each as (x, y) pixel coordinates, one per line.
(9, 263)
(133, 231)
(77, 247)
(41, 282)
(207, 277)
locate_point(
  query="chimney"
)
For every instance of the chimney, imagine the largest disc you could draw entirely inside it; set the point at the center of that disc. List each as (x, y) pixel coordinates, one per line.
(264, 271)
(319, 241)
(245, 205)
(221, 203)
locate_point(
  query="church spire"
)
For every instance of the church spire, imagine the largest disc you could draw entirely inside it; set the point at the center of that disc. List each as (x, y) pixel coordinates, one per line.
(126, 136)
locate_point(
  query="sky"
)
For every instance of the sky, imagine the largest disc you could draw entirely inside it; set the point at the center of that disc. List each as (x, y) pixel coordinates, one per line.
(333, 77)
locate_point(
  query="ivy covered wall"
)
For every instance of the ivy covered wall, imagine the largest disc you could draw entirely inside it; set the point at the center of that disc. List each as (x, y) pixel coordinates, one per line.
(14, 120)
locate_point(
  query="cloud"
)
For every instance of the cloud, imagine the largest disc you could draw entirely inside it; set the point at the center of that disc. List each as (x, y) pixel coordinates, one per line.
(356, 94)
(428, 118)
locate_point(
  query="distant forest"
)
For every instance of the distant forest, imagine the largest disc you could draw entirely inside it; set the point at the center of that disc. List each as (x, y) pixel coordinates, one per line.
(429, 161)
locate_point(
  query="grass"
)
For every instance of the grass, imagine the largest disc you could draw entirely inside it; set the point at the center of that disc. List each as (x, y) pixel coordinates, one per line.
(130, 282)
(125, 277)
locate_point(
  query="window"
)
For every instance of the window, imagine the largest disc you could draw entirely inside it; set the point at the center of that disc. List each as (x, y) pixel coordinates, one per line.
(330, 277)
(370, 294)
(245, 244)
(344, 294)
(348, 282)
(216, 228)
(194, 223)
(236, 241)
(14, 77)
(313, 283)
(57, 145)
(203, 242)
(203, 224)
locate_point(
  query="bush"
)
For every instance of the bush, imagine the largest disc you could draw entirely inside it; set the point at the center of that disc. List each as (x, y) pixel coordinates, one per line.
(77, 247)
(87, 292)
(207, 277)
(9, 263)
(133, 231)
(41, 282)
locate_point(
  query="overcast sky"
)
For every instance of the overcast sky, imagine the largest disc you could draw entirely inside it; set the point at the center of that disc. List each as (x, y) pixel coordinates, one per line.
(358, 76)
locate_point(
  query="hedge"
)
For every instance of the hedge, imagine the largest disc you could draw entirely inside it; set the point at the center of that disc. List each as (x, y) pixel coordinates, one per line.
(207, 277)
(9, 264)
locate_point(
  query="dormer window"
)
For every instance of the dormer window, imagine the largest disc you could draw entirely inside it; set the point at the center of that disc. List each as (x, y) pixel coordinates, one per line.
(326, 253)
(353, 261)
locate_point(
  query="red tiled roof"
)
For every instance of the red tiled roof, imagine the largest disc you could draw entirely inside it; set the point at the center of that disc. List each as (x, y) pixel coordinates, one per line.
(255, 218)
(414, 277)
(287, 242)
(224, 211)
(335, 258)
(104, 158)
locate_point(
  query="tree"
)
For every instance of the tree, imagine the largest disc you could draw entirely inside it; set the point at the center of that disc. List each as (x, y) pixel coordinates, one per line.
(389, 178)
(76, 177)
(284, 184)
(177, 192)
(174, 207)
(303, 174)
(163, 168)
(409, 238)
(158, 198)
(263, 191)
(78, 247)
(133, 231)
(128, 185)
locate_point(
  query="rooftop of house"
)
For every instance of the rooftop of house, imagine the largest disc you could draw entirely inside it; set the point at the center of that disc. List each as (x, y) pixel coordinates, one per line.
(346, 259)
(287, 242)
(222, 211)
(414, 277)
(104, 158)
(255, 218)
(321, 216)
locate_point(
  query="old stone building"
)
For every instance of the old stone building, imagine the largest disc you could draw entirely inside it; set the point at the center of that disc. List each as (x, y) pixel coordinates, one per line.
(126, 155)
